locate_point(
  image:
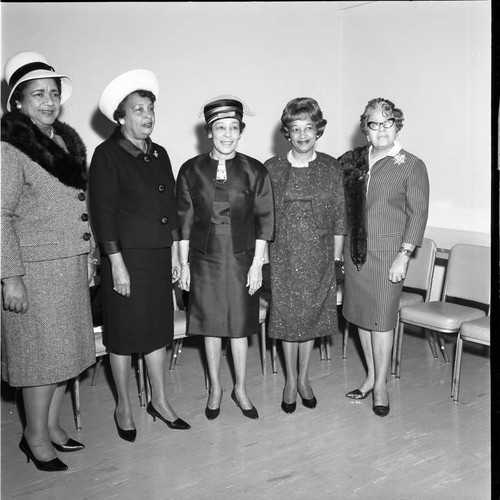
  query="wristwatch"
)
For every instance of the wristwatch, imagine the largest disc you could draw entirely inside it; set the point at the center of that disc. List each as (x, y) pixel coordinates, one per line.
(405, 251)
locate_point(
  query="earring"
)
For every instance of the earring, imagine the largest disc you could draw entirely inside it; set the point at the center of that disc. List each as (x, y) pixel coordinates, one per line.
(368, 138)
(18, 105)
(121, 122)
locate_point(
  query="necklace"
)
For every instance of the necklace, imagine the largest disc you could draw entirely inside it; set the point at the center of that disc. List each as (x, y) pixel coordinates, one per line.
(51, 133)
(221, 176)
(297, 164)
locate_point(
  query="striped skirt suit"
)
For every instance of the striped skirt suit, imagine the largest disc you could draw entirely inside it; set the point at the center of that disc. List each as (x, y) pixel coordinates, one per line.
(395, 211)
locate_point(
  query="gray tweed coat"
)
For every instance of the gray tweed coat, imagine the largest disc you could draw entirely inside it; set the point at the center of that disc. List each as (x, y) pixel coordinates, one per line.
(45, 239)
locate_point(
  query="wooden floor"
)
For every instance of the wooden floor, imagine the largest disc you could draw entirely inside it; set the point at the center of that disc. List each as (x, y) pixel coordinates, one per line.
(427, 448)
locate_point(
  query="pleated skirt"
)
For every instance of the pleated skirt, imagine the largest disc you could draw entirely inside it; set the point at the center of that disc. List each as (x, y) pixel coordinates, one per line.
(371, 301)
(219, 302)
(54, 340)
(144, 321)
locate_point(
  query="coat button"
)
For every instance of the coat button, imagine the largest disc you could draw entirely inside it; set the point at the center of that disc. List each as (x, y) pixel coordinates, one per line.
(82, 197)
(85, 217)
(86, 236)
(161, 188)
(147, 159)
(164, 220)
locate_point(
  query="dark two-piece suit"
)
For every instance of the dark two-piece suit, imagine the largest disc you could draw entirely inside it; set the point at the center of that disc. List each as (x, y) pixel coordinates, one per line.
(133, 211)
(221, 252)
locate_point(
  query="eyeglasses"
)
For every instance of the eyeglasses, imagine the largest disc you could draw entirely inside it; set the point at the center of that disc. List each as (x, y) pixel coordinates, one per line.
(376, 125)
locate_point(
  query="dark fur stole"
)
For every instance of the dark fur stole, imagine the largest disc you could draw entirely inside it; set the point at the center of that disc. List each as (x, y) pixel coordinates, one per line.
(70, 169)
(355, 167)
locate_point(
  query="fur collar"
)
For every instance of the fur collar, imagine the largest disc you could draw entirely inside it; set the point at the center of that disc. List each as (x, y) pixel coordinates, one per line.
(355, 166)
(70, 169)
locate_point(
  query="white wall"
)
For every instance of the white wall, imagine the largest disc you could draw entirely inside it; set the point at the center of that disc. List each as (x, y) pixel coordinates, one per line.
(266, 53)
(431, 58)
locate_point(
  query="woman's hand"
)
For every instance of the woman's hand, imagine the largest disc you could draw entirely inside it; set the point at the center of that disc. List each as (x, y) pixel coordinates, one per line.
(92, 268)
(254, 276)
(397, 272)
(14, 295)
(176, 263)
(185, 279)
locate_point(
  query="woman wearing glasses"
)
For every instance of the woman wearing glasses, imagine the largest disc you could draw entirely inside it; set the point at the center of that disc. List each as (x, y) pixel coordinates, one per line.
(387, 195)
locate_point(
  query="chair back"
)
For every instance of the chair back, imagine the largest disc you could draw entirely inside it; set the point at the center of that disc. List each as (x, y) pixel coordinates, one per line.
(468, 274)
(421, 268)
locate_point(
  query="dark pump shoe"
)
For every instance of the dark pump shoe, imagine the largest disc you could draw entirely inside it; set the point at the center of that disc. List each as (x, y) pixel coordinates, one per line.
(127, 435)
(175, 424)
(212, 414)
(69, 445)
(357, 394)
(288, 407)
(309, 403)
(381, 410)
(251, 413)
(54, 465)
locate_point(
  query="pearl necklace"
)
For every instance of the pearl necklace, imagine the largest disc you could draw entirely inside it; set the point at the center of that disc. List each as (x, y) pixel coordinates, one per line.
(296, 164)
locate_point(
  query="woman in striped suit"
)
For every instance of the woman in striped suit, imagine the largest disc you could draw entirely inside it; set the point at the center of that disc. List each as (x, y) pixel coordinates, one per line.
(387, 193)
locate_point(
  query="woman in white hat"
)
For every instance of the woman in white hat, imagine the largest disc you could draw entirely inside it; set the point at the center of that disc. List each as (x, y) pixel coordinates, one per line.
(133, 210)
(226, 218)
(47, 335)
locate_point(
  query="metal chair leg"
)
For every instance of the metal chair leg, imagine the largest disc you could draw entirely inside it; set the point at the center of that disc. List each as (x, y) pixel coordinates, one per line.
(442, 346)
(142, 388)
(263, 347)
(274, 355)
(394, 348)
(175, 352)
(344, 344)
(432, 342)
(322, 348)
(76, 403)
(97, 367)
(327, 348)
(455, 388)
(399, 344)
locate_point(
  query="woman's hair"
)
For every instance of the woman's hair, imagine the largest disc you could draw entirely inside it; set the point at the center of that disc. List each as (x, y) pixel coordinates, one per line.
(388, 110)
(209, 128)
(18, 93)
(302, 108)
(120, 109)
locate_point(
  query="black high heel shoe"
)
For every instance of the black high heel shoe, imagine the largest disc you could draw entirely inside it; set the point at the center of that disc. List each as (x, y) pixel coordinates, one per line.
(357, 394)
(54, 465)
(69, 445)
(309, 403)
(381, 410)
(127, 435)
(288, 407)
(212, 414)
(175, 424)
(251, 413)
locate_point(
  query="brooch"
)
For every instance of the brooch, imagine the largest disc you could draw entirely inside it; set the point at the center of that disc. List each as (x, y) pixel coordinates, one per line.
(155, 153)
(399, 159)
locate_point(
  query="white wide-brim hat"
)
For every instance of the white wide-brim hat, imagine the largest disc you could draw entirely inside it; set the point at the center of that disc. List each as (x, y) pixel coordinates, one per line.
(125, 84)
(28, 65)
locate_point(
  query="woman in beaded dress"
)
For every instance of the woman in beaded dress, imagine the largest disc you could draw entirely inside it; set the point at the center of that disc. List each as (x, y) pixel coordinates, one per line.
(306, 255)
(226, 216)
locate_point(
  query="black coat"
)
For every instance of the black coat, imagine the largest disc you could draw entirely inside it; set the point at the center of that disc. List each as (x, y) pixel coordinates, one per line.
(250, 201)
(132, 196)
